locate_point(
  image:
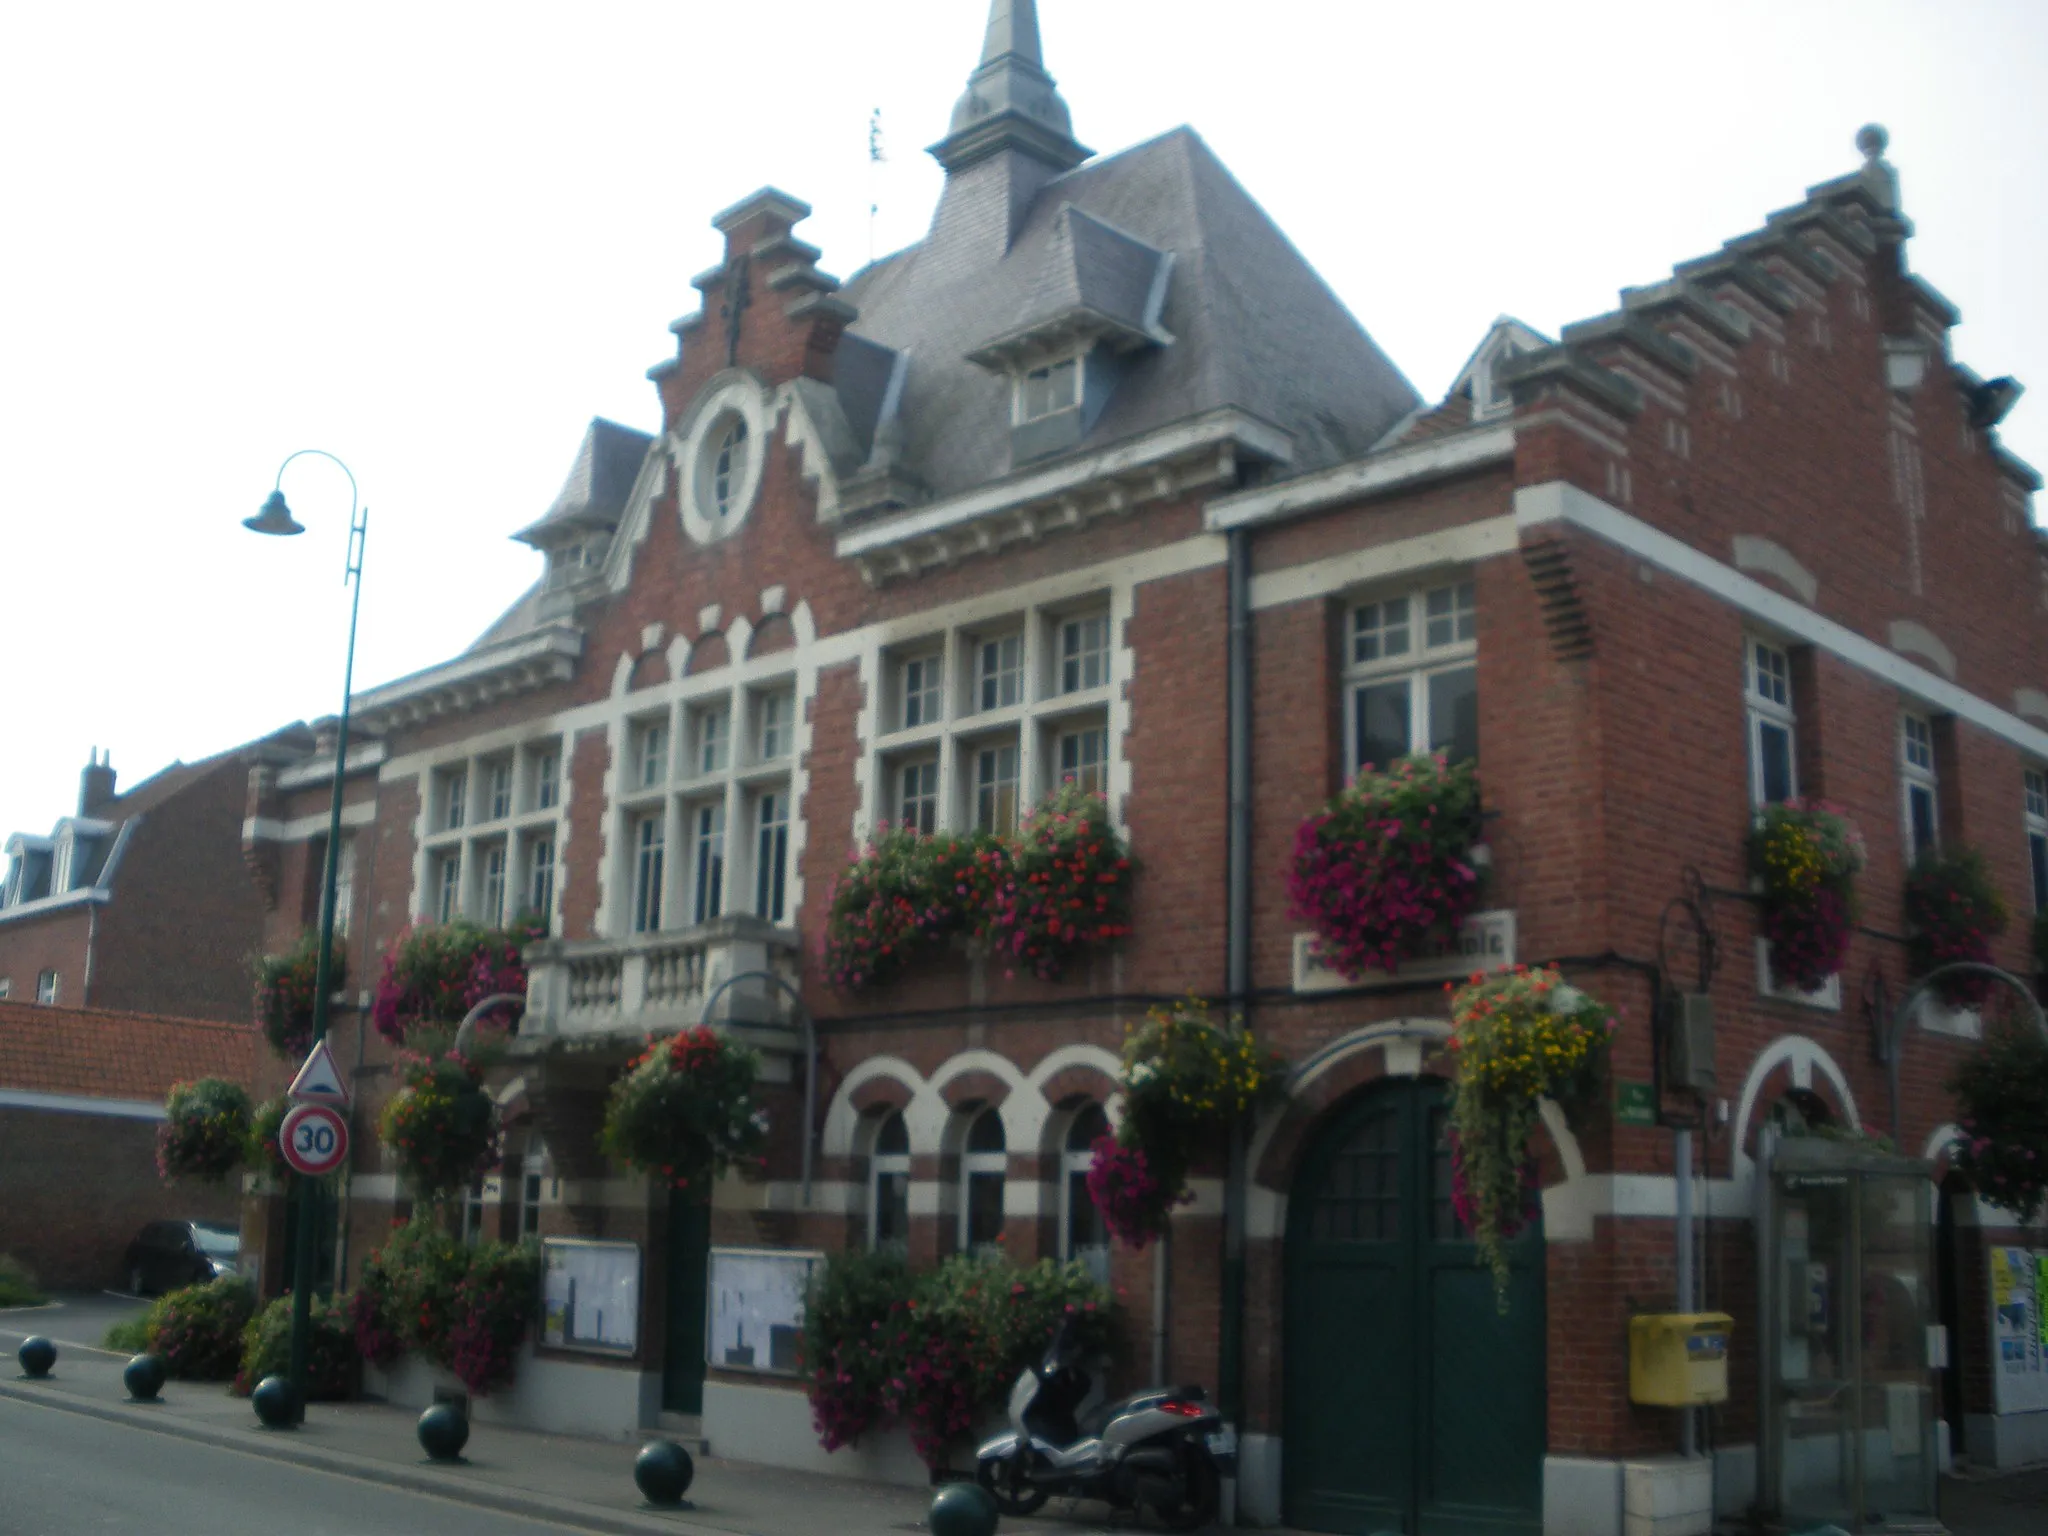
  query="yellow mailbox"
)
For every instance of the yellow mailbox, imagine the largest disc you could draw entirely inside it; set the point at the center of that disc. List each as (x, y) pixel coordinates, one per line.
(1678, 1359)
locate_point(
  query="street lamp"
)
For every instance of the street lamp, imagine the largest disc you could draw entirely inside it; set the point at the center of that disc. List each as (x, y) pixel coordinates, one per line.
(276, 519)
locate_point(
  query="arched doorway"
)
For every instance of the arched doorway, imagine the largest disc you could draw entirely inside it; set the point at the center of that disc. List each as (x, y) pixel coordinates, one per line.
(1413, 1404)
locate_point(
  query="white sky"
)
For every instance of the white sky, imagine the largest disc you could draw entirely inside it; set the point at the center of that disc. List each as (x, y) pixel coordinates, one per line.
(436, 239)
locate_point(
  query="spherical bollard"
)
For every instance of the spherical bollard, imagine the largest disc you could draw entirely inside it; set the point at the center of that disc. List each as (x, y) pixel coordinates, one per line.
(144, 1378)
(276, 1402)
(443, 1432)
(962, 1509)
(36, 1355)
(663, 1470)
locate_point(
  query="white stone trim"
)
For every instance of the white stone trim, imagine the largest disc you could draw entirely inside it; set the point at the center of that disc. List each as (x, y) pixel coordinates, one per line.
(361, 755)
(1397, 468)
(268, 829)
(1804, 1056)
(2032, 703)
(81, 1104)
(734, 392)
(1466, 544)
(1918, 640)
(1770, 558)
(1559, 502)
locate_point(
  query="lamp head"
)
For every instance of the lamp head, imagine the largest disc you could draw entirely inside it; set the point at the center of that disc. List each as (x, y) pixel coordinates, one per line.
(275, 518)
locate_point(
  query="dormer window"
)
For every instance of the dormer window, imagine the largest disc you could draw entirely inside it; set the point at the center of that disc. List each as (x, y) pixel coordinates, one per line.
(1048, 389)
(1489, 396)
(60, 881)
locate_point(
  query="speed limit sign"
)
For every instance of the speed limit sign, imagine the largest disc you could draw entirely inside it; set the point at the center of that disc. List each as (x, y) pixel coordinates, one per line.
(314, 1139)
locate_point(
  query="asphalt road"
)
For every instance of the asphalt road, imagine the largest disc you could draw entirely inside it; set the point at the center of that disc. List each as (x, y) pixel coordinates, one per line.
(77, 1320)
(63, 1473)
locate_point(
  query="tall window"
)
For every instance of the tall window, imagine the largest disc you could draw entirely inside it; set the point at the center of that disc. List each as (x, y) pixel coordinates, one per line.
(547, 781)
(1083, 1234)
(650, 757)
(889, 1185)
(540, 878)
(494, 885)
(2037, 835)
(728, 466)
(448, 887)
(647, 870)
(1410, 683)
(917, 801)
(999, 672)
(771, 853)
(714, 739)
(46, 987)
(995, 788)
(923, 677)
(1916, 778)
(344, 886)
(778, 714)
(707, 861)
(1084, 757)
(454, 798)
(501, 789)
(529, 1191)
(1084, 653)
(982, 1170)
(1053, 387)
(1772, 775)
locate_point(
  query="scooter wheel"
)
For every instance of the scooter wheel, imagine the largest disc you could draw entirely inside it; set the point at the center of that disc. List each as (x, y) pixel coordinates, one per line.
(1016, 1495)
(1200, 1500)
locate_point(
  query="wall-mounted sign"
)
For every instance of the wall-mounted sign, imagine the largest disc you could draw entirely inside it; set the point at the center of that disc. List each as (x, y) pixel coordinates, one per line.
(1634, 1103)
(757, 1308)
(2019, 1376)
(1485, 942)
(590, 1295)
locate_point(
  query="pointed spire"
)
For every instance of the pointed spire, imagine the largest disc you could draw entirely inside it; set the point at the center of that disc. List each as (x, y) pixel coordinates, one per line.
(1010, 101)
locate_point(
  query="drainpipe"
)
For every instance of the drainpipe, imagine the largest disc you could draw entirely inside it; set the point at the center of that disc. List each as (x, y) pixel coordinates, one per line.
(1681, 1157)
(1237, 968)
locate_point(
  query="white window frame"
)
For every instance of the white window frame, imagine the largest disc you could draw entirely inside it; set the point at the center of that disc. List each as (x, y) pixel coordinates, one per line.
(1917, 777)
(496, 867)
(49, 986)
(1077, 1162)
(344, 885)
(986, 759)
(2034, 809)
(522, 798)
(6, 987)
(917, 805)
(498, 779)
(650, 753)
(921, 685)
(711, 738)
(547, 780)
(648, 845)
(1416, 662)
(998, 671)
(1769, 701)
(774, 724)
(728, 468)
(454, 798)
(1087, 773)
(447, 879)
(883, 1165)
(531, 1181)
(539, 883)
(771, 825)
(707, 858)
(1047, 388)
(981, 1165)
(1081, 661)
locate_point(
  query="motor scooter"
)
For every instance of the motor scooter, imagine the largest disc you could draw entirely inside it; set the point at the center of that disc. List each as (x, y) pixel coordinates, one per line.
(1166, 1448)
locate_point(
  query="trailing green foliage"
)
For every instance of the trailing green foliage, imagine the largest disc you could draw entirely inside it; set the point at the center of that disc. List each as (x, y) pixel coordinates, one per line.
(2002, 1106)
(330, 1349)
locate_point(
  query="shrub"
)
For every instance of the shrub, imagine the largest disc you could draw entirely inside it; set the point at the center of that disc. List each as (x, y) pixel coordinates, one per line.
(1953, 912)
(1517, 1037)
(1807, 853)
(442, 1127)
(1068, 888)
(18, 1286)
(1382, 870)
(2002, 1107)
(205, 1133)
(198, 1330)
(285, 987)
(934, 1349)
(463, 1306)
(494, 1307)
(436, 972)
(128, 1337)
(684, 1109)
(330, 1349)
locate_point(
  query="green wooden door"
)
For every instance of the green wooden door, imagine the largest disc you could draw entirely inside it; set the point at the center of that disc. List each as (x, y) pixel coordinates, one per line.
(1413, 1404)
(689, 1262)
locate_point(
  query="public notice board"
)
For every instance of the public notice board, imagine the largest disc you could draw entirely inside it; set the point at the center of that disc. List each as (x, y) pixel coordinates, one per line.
(590, 1295)
(757, 1307)
(2019, 1329)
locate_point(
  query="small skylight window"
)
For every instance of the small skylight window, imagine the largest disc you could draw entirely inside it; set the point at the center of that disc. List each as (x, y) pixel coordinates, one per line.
(1045, 390)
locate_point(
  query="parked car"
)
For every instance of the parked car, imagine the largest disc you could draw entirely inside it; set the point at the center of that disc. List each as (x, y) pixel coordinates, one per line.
(168, 1254)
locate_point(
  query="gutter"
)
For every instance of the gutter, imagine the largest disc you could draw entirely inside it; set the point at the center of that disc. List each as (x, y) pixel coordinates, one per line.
(1376, 474)
(1236, 963)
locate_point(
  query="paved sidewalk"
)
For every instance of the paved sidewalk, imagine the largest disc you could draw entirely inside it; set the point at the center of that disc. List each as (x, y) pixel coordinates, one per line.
(576, 1483)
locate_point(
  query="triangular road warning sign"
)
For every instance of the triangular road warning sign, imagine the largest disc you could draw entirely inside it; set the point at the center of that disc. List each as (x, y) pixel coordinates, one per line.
(318, 1081)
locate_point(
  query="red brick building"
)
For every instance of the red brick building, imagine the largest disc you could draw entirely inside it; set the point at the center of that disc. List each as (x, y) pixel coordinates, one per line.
(140, 902)
(1100, 480)
(81, 1096)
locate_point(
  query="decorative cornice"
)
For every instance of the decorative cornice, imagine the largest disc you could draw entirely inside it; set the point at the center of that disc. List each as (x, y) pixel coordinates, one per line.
(481, 677)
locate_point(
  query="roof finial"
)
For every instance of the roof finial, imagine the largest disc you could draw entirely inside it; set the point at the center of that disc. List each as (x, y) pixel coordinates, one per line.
(1872, 140)
(1013, 28)
(1010, 101)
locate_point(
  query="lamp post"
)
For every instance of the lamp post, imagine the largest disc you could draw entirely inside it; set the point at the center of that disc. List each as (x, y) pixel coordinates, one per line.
(276, 519)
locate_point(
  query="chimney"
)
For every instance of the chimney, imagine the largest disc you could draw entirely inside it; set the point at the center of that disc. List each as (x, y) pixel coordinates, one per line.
(96, 783)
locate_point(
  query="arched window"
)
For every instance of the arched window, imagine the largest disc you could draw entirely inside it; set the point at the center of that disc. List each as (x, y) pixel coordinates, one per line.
(889, 1185)
(1083, 1235)
(727, 467)
(982, 1168)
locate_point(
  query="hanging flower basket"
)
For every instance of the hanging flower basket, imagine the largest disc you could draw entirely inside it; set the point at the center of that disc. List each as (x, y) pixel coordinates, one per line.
(2002, 1106)
(1807, 853)
(1187, 1080)
(1069, 885)
(1518, 1037)
(441, 1127)
(436, 972)
(205, 1133)
(1953, 912)
(1383, 871)
(684, 1110)
(263, 1153)
(285, 985)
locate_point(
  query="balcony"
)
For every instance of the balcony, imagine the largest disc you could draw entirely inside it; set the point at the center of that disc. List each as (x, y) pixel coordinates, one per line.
(656, 983)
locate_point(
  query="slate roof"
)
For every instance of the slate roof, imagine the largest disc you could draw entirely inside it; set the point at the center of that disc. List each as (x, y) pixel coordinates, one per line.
(594, 495)
(1254, 326)
(89, 1053)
